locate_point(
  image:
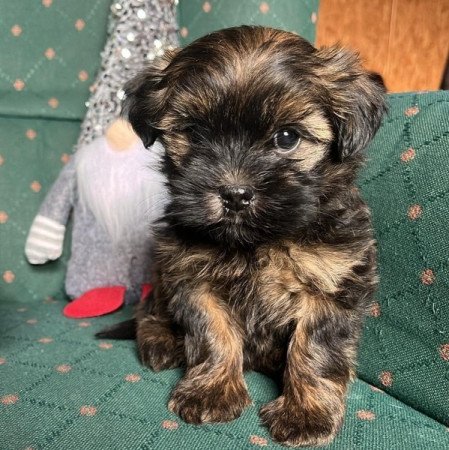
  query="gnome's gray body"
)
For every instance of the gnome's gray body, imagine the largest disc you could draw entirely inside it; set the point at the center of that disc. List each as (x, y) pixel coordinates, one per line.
(100, 257)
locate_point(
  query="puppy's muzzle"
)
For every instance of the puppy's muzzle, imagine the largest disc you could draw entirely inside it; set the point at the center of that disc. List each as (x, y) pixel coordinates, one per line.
(236, 198)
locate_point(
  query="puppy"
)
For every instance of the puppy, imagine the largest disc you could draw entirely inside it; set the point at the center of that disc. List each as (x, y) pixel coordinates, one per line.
(265, 257)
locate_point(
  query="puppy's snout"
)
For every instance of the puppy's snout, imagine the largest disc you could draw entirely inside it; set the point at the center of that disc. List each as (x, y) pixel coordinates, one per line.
(236, 198)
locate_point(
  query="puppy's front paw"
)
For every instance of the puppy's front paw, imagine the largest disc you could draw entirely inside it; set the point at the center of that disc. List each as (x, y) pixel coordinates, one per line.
(211, 403)
(294, 426)
(161, 352)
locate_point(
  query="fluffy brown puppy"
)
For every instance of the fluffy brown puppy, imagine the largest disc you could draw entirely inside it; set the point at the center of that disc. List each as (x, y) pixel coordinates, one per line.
(266, 259)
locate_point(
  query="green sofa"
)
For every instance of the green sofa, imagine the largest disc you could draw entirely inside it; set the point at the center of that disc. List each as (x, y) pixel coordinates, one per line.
(62, 389)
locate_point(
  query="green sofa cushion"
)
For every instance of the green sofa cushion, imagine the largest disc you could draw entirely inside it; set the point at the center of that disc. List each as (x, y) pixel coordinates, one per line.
(405, 348)
(199, 17)
(32, 152)
(62, 389)
(50, 55)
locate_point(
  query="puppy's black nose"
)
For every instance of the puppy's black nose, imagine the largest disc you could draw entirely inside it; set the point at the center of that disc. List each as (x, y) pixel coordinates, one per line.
(236, 197)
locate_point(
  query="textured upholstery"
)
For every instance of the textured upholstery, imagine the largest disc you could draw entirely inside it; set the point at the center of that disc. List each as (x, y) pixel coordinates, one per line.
(32, 152)
(50, 54)
(198, 17)
(406, 341)
(62, 389)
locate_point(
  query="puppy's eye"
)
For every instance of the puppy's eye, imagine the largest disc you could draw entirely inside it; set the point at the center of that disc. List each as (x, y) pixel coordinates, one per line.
(286, 139)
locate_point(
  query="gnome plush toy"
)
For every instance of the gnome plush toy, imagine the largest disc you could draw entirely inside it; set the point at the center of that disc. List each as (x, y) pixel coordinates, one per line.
(115, 191)
(111, 185)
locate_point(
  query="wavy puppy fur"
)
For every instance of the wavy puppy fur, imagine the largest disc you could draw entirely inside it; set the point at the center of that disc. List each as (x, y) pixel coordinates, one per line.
(281, 283)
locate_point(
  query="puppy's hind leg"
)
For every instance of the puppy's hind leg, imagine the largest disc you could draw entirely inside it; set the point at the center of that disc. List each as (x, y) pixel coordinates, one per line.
(160, 344)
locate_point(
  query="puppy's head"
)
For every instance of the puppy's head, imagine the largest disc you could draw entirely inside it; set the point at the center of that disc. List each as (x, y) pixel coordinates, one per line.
(256, 122)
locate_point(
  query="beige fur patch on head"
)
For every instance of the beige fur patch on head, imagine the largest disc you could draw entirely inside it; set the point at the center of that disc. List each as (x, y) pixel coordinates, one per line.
(319, 126)
(308, 153)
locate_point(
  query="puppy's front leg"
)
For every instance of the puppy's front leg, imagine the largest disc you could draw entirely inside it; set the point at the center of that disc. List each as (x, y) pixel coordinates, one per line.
(318, 368)
(213, 389)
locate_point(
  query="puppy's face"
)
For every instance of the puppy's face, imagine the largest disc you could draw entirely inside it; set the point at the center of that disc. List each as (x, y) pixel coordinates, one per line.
(253, 121)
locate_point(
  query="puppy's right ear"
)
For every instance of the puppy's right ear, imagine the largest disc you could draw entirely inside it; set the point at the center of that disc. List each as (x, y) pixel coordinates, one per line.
(145, 97)
(356, 97)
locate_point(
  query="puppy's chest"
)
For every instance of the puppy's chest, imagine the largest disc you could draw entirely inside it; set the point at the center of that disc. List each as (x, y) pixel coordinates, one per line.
(265, 286)
(289, 275)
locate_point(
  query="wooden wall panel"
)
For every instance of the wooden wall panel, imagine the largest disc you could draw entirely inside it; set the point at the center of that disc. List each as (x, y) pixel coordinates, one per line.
(357, 24)
(419, 44)
(406, 41)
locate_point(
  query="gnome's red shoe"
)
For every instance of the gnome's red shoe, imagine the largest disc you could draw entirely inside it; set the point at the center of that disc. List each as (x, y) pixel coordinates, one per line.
(96, 302)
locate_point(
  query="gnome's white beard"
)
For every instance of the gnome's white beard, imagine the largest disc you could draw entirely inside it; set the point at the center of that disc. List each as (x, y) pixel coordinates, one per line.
(123, 189)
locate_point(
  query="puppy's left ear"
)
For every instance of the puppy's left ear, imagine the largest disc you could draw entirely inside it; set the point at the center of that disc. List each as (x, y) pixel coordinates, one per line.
(357, 99)
(146, 98)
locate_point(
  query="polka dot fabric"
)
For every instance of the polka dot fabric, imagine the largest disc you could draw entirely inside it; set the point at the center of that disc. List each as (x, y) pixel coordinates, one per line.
(60, 389)
(406, 184)
(33, 151)
(49, 49)
(198, 17)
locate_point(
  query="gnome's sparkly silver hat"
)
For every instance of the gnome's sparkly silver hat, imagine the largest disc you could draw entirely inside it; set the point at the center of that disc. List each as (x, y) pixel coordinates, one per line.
(139, 31)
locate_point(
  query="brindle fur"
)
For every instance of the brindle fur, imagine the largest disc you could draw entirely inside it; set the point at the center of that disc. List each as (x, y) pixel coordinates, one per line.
(283, 288)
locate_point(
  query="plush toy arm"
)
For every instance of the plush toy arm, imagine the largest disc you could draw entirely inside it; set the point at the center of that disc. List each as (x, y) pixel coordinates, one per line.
(45, 239)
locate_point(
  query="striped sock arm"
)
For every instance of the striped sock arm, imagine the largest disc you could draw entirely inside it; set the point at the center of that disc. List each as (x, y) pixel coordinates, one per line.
(44, 240)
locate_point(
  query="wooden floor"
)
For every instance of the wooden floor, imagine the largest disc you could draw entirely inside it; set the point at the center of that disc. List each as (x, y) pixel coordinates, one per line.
(406, 41)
